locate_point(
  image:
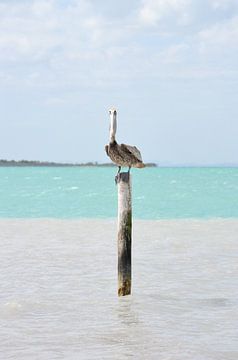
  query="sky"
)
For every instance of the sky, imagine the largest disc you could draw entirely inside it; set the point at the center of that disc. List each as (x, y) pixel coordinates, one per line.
(168, 66)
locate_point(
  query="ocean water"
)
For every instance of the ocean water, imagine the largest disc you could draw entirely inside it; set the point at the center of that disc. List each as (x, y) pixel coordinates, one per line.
(90, 192)
(58, 265)
(58, 296)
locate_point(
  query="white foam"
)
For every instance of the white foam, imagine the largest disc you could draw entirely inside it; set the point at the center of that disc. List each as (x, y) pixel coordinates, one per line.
(12, 306)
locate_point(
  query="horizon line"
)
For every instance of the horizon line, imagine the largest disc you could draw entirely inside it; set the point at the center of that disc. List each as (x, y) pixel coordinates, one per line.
(97, 163)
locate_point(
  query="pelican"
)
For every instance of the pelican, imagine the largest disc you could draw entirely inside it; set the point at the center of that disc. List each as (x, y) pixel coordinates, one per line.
(121, 155)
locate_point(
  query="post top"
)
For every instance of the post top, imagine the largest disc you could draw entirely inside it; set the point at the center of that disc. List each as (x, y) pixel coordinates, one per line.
(123, 176)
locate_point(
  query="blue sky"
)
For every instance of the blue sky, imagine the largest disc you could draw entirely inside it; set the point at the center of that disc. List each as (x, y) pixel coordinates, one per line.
(168, 66)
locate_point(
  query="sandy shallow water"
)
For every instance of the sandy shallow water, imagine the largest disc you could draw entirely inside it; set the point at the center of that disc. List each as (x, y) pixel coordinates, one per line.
(58, 296)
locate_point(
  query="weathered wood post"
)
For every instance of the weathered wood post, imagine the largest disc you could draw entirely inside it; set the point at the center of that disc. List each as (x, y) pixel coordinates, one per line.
(124, 233)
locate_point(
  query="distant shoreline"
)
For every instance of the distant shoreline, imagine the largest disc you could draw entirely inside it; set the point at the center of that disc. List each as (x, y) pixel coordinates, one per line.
(22, 163)
(35, 163)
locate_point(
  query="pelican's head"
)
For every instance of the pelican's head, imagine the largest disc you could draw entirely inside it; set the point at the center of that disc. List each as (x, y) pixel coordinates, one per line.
(112, 112)
(113, 123)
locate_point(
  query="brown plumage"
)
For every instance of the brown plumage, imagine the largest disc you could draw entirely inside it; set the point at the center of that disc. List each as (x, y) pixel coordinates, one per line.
(122, 155)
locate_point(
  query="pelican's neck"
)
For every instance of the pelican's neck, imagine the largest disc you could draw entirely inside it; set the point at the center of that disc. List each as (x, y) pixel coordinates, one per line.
(113, 127)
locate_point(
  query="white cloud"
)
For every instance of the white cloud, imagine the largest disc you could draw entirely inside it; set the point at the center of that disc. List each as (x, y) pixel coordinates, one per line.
(64, 45)
(42, 8)
(76, 45)
(220, 37)
(223, 4)
(26, 31)
(153, 12)
(39, 29)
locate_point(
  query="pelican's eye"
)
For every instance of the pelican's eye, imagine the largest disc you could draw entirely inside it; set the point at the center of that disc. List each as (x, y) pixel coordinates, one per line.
(110, 112)
(114, 112)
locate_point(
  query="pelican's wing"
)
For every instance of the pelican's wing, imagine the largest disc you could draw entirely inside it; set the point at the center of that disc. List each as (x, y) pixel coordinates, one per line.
(106, 149)
(133, 150)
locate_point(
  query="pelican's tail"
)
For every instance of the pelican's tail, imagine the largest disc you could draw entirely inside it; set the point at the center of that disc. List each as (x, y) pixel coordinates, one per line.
(140, 165)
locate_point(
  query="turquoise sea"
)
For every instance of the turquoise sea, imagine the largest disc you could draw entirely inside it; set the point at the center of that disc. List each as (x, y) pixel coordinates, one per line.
(90, 192)
(58, 236)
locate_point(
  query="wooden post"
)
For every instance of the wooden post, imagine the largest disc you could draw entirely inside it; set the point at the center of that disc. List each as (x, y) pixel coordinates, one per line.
(124, 233)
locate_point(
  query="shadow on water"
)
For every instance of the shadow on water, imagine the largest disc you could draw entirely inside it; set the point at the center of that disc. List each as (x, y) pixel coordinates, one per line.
(127, 334)
(126, 313)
